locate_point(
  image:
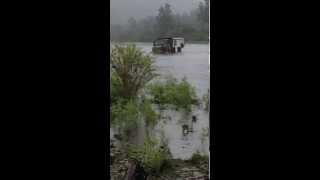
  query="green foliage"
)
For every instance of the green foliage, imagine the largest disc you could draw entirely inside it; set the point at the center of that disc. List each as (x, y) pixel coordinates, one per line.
(125, 115)
(151, 156)
(131, 70)
(172, 92)
(149, 114)
(115, 88)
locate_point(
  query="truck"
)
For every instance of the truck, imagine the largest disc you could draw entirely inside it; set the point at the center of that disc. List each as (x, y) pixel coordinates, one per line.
(168, 45)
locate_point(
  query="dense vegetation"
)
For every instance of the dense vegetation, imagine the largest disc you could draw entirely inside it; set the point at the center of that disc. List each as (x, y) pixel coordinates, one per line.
(134, 94)
(152, 155)
(172, 92)
(131, 70)
(193, 26)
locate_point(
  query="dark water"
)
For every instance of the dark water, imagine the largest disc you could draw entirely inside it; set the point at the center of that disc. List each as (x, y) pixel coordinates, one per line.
(192, 63)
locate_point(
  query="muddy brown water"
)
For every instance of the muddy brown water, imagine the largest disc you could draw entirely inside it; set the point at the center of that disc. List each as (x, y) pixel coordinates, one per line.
(192, 63)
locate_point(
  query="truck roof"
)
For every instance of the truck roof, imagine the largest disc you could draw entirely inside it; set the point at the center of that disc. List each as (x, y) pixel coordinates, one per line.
(170, 38)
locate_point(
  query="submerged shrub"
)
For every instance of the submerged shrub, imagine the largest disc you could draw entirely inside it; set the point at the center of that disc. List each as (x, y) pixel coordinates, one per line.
(150, 116)
(131, 70)
(115, 88)
(152, 155)
(180, 94)
(125, 115)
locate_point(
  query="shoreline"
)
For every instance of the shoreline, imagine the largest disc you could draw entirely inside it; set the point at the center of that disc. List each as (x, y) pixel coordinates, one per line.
(177, 168)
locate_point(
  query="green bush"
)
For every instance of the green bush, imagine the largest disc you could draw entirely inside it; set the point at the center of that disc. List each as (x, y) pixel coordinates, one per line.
(125, 115)
(115, 88)
(131, 70)
(149, 114)
(180, 94)
(151, 156)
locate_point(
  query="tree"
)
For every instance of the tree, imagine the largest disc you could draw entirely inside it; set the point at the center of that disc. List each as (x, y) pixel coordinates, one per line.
(204, 11)
(165, 19)
(132, 29)
(146, 29)
(116, 32)
(203, 15)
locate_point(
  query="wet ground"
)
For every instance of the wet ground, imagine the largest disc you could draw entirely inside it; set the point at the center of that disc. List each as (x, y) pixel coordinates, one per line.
(192, 63)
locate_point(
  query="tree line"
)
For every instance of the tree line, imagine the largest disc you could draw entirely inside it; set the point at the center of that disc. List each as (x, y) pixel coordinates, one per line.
(193, 26)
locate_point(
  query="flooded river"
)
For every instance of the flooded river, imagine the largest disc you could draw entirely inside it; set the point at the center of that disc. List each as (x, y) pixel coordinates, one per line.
(192, 63)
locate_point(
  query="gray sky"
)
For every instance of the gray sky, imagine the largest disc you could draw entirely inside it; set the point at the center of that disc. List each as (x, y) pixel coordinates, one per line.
(122, 10)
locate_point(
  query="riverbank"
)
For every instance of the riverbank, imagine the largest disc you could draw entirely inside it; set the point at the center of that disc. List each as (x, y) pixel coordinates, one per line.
(193, 169)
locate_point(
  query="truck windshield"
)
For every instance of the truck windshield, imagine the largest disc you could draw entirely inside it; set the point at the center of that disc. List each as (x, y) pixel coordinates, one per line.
(161, 42)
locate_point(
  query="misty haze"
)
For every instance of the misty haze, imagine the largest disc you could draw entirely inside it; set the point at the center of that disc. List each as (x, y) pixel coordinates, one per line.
(146, 20)
(122, 10)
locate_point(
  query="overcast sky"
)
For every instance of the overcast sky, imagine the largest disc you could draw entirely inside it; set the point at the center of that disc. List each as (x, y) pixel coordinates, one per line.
(122, 10)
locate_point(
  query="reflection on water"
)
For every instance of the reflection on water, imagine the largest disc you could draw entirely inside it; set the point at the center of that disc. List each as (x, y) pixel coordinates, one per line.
(192, 63)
